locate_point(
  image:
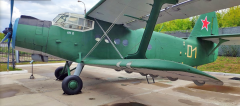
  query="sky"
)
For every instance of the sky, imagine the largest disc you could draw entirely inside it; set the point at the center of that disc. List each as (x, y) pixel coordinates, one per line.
(41, 9)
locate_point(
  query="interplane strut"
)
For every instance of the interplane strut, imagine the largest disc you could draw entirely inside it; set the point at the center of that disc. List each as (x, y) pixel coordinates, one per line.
(156, 7)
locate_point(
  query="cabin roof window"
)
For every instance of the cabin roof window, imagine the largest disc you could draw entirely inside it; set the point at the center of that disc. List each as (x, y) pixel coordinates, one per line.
(71, 21)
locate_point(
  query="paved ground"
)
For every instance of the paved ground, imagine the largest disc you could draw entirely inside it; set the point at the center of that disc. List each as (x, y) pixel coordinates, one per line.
(106, 87)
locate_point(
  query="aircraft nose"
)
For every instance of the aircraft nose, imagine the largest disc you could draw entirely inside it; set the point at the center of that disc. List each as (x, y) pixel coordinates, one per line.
(14, 33)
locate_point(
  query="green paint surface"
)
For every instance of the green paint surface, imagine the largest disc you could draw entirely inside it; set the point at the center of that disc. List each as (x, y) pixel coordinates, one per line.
(58, 42)
(161, 52)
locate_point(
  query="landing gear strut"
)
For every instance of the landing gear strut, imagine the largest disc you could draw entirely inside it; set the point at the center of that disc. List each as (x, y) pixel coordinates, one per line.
(60, 74)
(72, 84)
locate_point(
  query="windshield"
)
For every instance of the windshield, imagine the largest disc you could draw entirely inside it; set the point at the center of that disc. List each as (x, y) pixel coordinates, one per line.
(63, 18)
(56, 18)
(73, 21)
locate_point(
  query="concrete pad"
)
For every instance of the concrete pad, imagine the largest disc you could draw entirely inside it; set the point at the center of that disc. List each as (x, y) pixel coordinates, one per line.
(106, 87)
(44, 86)
(10, 90)
(208, 96)
(14, 72)
(5, 80)
(86, 98)
(157, 99)
(22, 76)
(30, 100)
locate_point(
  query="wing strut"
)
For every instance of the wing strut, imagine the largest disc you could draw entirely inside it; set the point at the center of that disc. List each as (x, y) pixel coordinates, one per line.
(105, 33)
(220, 42)
(109, 39)
(156, 7)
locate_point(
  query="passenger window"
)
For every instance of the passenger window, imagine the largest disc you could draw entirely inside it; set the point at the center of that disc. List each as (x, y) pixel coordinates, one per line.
(81, 22)
(89, 23)
(117, 41)
(125, 42)
(149, 47)
(73, 20)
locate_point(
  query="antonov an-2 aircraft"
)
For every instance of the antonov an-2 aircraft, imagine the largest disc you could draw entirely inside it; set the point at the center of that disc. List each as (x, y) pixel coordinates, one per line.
(111, 35)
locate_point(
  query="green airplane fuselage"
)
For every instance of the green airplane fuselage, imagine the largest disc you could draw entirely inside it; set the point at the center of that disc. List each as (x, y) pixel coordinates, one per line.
(74, 45)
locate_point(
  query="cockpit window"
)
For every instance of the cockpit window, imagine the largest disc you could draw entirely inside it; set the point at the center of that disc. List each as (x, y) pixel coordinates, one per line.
(72, 21)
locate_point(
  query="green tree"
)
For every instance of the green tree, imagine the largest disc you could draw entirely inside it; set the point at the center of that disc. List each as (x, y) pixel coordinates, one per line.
(231, 17)
(1, 36)
(226, 18)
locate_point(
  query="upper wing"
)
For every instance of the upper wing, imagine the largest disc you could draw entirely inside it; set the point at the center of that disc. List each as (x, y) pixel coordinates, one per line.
(108, 10)
(233, 39)
(158, 67)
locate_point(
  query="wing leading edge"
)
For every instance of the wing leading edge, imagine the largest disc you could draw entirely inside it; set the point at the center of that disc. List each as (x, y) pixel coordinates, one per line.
(108, 10)
(158, 67)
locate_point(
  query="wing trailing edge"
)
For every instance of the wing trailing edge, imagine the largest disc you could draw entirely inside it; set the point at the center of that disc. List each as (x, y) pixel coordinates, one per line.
(158, 67)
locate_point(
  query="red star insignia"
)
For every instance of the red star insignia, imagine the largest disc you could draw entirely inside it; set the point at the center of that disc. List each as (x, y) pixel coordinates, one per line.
(205, 23)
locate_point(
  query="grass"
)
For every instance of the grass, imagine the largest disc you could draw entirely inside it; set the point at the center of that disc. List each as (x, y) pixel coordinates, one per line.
(3, 66)
(223, 64)
(37, 62)
(1, 36)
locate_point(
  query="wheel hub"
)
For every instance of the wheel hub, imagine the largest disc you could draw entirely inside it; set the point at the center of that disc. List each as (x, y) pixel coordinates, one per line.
(72, 84)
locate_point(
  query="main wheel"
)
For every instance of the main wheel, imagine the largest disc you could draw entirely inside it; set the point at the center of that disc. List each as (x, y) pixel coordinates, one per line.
(72, 85)
(154, 76)
(143, 74)
(118, 70)
(199, 83)
(129, 72)
(172, 79)
(58, 74)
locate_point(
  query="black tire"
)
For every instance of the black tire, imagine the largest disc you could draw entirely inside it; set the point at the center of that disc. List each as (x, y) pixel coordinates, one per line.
(143, 74)
(154, 76)
(118, 70)
(66, 85)
(58, 73)
(129, 72)
(172, 79)
(199, 83)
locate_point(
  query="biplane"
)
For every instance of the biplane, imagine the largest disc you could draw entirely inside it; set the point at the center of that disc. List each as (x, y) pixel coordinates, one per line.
(119, 34)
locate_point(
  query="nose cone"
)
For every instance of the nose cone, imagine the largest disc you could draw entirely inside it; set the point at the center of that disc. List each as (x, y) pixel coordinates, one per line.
(14, 33)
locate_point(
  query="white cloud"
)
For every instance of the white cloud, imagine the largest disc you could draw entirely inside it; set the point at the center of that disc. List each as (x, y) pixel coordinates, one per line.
(5, 14)
(5, 11)
(44, 10)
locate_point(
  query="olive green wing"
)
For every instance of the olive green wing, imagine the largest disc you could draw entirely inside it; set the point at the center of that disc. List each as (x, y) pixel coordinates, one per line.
(163, 68)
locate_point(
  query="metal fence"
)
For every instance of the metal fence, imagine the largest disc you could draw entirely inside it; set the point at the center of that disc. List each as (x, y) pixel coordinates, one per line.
(23, 56)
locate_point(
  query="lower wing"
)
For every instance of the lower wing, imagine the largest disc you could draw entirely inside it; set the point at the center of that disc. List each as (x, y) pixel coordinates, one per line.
(158, 67)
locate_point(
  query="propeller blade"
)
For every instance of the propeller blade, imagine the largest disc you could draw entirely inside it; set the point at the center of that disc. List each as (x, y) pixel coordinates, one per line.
(6, 37)
(9, 40)
(9, 34)
(12, 4)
